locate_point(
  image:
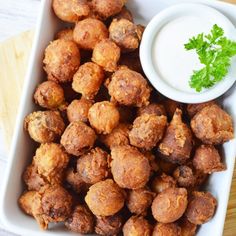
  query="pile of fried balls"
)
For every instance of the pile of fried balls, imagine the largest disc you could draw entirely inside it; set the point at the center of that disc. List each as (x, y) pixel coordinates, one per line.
(115, 157)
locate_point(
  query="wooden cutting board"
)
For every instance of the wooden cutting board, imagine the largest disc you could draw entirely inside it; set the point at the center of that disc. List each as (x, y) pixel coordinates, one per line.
(14, 55)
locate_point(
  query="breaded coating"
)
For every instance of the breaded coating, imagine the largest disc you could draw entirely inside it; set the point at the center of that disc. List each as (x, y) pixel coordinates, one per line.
(125, 34)
(109, 225)
(66, 34)
(152, 109)
(129, 88)
(162, 182)
(170, 205)
(212, 125)
(152, 161)
(104, 117)
(139, 200)
(78, 138)
(81, 220)
(107, 8)
(93, 166)
(147, 131)
(49, 95)
(89, 32)
(88, 80)
(106, 54)
(44, 126)
(119, 136)
(61, 60)
(130, 168)
(207, 159)
(26, 202)
(71, 10)
(124, 14)
(138, 226)
(105, 198)
(201, 207)
(171, 106)
(177, 142)
(193, 109)
(187, 228)
(78, 110)
(170, 229)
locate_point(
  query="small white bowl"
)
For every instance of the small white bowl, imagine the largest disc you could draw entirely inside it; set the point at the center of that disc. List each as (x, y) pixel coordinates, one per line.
(147, 45)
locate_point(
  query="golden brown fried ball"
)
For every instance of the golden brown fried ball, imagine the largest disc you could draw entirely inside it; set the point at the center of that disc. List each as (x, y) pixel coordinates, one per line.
(170, 205)
(171, 106)
(104, 117)
(106, 54)
(170, 229)
(152, 109)
(129, 88)
(66, 34)
(138, 226)
(89, 32)
(26, 201)
(139, 200)
(49, 95)
(207, 159)
(119, 136)
(130, 168)
(162, 182)
(93, 166)
(177, 142)
(105, 198)
(71, 10)
(78, 110)
(212, 125)
(78, 138)
(187, 228)
(124, 14)
(80, 221)
(88, 80)
(201, 207)
(61, 60)
(125, 34)
(109, 225)
(147, 131)
(193, 109)
(44, 126)
(107, 8)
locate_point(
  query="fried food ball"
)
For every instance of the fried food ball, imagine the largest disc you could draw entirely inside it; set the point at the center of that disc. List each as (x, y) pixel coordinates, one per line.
(139, 200)
(66, 34)
(170, 229)
(212, 125)
(109, 225)
(201, 207)
(49, 95)
(71, 10)
(130, 168)
(119, 136)
(171, 106)
(207, 159)
(124, 14)
(125, 34)
(61, 60)
(44, 126)
(105, 198)
(88, 80)
(106, 54)
(193, 109)
(80, 221)
(89, 32)
(152, 109)
(107, 8)
(104, 117)
(93, 166)
(78, 138)
(138, 226)
(78, 110)
(162, 182)
(147, 131)
(177, 142)
(170, 205)
(129, 88)
(187, 228)
(26, 202)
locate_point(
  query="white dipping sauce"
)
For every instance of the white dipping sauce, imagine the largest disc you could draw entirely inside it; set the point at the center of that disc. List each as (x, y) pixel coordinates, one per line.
(172, 61)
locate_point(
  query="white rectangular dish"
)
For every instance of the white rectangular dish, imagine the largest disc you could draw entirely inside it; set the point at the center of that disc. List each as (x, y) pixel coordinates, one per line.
(22, 147)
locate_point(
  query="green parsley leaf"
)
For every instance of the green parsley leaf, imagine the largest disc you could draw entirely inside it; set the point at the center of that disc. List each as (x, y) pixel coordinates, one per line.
(214, 52)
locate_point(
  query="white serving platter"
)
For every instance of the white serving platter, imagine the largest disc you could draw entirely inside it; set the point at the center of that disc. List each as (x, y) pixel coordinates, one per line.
(22, 148)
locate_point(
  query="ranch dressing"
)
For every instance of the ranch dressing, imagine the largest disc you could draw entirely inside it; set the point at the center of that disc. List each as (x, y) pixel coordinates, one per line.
(172, 61)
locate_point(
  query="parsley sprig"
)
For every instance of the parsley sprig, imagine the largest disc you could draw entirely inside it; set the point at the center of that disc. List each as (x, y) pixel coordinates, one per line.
(215, 52)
